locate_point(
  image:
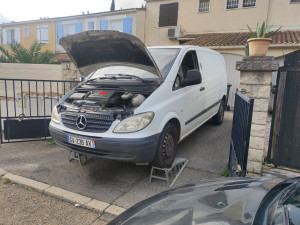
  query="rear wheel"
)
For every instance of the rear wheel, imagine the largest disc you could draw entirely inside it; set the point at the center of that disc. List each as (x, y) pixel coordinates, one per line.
(219, 117)
(167, 147)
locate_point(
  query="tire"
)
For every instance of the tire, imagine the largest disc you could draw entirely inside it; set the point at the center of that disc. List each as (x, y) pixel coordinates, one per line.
(219, 117)
(167, 147)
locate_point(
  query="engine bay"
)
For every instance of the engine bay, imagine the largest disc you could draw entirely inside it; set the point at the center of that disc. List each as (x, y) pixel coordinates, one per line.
(119, 104)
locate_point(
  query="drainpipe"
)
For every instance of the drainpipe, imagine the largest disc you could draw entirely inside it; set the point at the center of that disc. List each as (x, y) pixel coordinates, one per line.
(267, 19)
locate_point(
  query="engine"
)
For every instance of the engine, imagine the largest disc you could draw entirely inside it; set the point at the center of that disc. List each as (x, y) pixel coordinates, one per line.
(118, 103)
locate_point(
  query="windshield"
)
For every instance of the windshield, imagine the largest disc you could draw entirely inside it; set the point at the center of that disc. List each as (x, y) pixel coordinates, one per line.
(123, 70)
(164, 58)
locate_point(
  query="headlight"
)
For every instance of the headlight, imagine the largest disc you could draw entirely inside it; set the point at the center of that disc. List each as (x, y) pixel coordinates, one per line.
(54, 115)
(134, 123)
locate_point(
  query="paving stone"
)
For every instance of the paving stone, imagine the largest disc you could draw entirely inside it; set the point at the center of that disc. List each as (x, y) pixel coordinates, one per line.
(256, 78)
(2, 172)
(257, 142)
(255, 155)
(114, 210)
(39, 186)
(67, 195)
(261, 105)
(96, 205)
(258, 130)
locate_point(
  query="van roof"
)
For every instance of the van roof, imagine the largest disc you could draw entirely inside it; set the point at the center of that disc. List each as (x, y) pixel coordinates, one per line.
(186, 47)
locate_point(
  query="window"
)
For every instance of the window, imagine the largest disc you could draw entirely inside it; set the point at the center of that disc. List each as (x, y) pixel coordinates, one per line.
(42, 34)
(232, 4)
(91, 25)
(204, 5)
(11, 36)
(249, 3)
(189, 62)
(164, 58)
(26, 31)
(168, 15)
(292, 1)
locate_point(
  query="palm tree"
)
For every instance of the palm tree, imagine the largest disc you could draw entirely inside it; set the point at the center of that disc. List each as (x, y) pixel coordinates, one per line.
(22, 55)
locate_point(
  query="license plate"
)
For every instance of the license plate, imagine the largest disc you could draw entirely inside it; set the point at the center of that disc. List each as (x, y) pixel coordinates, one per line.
(81, 142)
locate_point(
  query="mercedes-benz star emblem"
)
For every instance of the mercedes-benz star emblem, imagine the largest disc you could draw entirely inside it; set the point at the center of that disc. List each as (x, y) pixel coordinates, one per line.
(81, 122)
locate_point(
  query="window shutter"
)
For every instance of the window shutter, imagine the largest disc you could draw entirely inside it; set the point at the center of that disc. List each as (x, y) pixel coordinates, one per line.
(60, 31)
(168, 14)
(127, 25)
(4, 37)
(44, 34)
(173, 14)
(38, 34)
(163, 15)
(103, 24)
(78, 27)
(17, 36)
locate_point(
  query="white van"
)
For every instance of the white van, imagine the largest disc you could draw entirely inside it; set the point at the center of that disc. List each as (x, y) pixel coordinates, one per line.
(136, 103)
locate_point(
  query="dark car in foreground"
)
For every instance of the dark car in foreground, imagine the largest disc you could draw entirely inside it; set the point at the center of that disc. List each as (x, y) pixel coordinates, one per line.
(220, 201)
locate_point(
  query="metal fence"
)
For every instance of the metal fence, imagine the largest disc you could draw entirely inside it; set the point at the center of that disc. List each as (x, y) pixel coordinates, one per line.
(240, 135)
(26, 105)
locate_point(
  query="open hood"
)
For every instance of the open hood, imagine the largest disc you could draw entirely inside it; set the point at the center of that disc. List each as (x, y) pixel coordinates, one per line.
(92, 50)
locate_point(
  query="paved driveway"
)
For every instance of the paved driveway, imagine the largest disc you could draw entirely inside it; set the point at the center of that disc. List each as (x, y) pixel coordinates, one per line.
(119, 183)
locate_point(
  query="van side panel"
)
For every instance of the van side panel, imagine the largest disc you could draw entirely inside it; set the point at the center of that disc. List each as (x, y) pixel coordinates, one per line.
(214, 77)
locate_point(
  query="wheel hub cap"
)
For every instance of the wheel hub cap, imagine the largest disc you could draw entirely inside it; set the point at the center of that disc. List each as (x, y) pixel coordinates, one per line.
(168, 146)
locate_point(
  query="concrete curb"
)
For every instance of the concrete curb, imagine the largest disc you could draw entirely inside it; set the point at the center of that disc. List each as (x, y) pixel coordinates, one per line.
(74, 198)
(2, 172)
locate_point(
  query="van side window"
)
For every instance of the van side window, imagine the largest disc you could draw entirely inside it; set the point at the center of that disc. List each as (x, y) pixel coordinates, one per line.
(189, 62)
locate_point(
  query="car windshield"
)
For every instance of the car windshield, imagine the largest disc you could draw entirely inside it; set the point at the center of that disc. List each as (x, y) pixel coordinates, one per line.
(122, 72)
(164, 58)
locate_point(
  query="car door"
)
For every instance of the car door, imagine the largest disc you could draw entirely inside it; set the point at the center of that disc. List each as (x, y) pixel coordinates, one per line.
(191, 99)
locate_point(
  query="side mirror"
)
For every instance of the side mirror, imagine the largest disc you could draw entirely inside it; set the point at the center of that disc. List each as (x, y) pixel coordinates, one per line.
(192, 77)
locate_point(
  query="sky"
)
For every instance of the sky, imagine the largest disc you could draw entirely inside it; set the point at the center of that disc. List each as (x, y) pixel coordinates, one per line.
(22, 10)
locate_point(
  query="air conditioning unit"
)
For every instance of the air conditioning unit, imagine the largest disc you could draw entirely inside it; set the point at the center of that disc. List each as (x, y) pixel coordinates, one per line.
(174, 32)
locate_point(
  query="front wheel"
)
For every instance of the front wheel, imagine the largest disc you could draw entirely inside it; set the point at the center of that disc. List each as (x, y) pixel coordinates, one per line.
(219, 117)
(167, 147)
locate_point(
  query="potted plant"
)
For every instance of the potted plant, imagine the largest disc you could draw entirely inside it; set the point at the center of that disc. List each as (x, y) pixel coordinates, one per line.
(260, 40)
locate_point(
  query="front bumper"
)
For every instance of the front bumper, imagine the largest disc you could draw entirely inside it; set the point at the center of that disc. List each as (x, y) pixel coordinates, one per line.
(137, 150)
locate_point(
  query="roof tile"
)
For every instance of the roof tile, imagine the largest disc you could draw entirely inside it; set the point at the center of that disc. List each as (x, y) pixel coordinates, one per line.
(239, 38)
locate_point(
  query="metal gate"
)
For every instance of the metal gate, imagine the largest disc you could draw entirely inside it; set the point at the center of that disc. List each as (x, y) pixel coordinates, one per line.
(240, 135)
(284, 145)
(25, 107)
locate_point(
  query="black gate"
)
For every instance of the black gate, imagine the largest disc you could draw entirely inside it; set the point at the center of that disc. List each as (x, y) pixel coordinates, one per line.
(284, 145)
(240, 135)
(25, 107)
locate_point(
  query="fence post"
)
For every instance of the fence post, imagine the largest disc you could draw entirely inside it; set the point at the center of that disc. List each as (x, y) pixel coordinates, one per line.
(255, 79)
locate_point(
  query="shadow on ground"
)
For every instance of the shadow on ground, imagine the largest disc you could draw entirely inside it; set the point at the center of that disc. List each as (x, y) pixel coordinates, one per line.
(120, 183)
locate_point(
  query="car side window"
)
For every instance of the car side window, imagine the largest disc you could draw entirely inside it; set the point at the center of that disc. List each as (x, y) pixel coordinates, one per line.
(189, 62)
(293, 208)
(288, 211)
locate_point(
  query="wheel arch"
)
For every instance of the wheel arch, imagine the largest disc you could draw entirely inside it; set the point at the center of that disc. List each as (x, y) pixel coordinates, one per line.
(173, 118)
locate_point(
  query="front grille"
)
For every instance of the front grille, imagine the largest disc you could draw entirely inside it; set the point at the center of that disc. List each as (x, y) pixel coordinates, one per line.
(95, 123)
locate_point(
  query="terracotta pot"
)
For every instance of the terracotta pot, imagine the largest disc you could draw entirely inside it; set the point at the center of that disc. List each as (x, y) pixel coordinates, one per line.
(258, 46)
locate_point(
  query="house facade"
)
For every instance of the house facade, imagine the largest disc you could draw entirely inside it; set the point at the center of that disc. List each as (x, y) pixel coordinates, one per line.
(221, 26)
(49, 31)
(224, 20)
(130, 21)
(27, 32)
